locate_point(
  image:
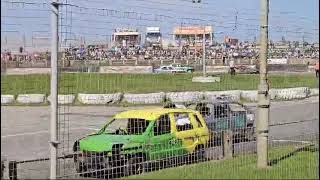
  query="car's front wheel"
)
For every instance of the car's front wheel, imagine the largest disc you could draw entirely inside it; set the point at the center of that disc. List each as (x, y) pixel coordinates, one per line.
(135, 165)
(80, 166)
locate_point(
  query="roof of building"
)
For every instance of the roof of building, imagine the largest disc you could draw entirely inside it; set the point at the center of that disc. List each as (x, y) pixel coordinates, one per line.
(192, 30)
(126, 33)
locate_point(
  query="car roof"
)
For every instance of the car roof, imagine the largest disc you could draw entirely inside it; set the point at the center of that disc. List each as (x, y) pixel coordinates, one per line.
(236, 107)
(150, 114)
(215, 102)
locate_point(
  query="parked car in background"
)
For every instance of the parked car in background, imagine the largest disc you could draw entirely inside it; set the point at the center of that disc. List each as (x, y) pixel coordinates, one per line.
(167, 69)
(134, 139)
(246, 69)
(182, 67)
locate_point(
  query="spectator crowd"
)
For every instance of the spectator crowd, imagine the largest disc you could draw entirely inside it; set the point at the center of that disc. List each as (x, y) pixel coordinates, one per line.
(213, 52)
(243, 50)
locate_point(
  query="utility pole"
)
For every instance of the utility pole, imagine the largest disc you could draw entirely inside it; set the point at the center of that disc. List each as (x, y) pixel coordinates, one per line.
(236, 20)
(54, 88)
(263, 92)
(24, 42)
(303, 49)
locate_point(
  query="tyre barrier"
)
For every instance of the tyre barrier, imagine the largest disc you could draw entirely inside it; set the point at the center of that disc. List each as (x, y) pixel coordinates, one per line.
(184, 97)
(289, 93)
(7, 99)
(233, 95)
(31, 98)
(158, 98)
(97, 99)
(250, 95)
(279, 94)
(150, 98)
(64, 98)
(314, 92)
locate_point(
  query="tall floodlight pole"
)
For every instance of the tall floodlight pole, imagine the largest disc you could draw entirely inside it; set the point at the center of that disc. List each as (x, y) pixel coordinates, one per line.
(204, 53)
(203, 46)
(263, 92)
(54, 89)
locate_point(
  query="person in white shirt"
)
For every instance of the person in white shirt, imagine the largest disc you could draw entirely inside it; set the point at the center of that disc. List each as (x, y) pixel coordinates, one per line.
(232, 67)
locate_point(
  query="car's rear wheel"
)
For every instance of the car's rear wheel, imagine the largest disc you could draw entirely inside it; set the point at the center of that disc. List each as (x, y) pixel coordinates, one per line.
(250, 134)
(199, 154)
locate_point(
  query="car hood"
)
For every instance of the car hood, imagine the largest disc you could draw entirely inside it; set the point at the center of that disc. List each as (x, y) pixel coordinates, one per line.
(104, 142)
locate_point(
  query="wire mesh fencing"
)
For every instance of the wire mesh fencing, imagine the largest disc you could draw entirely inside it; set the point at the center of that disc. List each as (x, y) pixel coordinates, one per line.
(133, 111)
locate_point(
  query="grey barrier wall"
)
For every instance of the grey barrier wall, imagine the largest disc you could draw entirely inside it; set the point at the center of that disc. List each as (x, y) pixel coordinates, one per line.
(139, 62)
(126, 69)
(145, 69)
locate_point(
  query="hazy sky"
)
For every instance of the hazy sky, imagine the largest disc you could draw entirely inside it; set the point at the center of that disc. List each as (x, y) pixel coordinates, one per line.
(294, 19)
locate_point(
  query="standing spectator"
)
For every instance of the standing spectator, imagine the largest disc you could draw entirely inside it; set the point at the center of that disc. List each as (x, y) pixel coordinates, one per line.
(232, 68)
(317, 69)
(223, 60)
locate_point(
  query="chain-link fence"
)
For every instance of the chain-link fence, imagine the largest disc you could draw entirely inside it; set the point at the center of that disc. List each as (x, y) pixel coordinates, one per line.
(129, 105)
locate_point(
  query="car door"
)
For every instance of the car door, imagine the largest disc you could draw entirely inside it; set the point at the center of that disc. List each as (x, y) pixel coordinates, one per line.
(184, 131)
(201, 131)
(162, 143)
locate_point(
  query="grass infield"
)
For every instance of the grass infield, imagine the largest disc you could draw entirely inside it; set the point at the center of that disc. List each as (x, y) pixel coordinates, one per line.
(73, 83)
(287, 164)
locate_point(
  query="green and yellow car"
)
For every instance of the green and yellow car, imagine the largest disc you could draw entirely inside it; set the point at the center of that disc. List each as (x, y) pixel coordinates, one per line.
(135, 137)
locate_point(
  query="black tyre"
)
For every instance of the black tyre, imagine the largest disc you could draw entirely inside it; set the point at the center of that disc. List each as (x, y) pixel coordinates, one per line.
(134, 165)
(81, 167)
(237, 138)
(250, 134)
(199, 154)
(217, 139)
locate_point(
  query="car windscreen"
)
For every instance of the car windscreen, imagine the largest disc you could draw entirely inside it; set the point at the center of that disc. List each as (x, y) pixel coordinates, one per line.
(130, 126)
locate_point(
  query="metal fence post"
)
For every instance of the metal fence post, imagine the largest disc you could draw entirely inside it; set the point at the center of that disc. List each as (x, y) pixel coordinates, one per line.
(54, 88)
(227, 144)
(13, 170)
(263, 94)
(2, 168)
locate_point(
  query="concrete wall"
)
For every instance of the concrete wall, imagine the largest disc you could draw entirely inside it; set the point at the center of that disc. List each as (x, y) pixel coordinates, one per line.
(217, 69)
(22, 71)
(126, 69)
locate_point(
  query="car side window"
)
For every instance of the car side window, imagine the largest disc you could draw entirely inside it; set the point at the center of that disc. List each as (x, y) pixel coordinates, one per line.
(203, 109)
(198, 120)
(221, 111)
(183, 122)
(162, 126)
